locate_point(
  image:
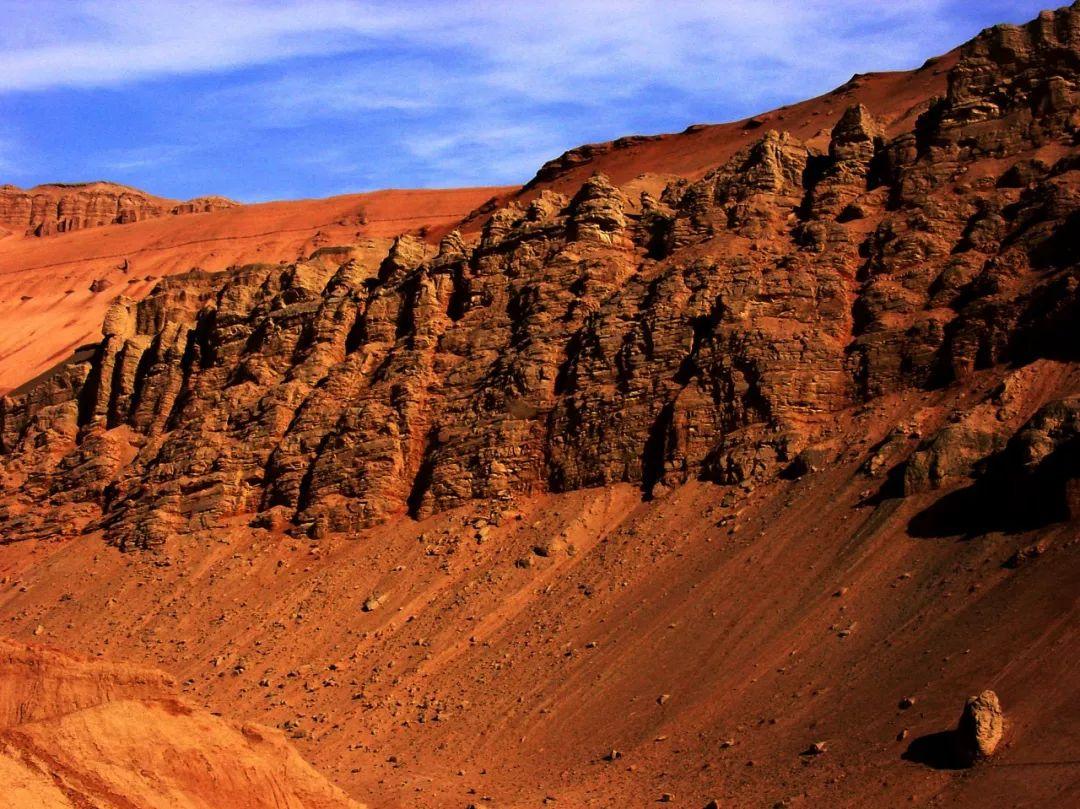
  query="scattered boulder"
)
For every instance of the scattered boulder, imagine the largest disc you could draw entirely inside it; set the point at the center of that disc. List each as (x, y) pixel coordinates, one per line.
(975, 737)
(981, 727)
(809, 460)
(550, 546)
(374, 601)
(1026, 554)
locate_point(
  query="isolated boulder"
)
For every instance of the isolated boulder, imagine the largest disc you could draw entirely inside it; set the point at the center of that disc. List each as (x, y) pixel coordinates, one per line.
(980, 729)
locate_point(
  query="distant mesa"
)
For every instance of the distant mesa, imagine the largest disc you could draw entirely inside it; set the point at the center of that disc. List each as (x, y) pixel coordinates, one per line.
(63, 207)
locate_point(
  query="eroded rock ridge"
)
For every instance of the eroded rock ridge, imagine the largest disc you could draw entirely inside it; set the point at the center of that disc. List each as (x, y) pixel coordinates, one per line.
(716, 331)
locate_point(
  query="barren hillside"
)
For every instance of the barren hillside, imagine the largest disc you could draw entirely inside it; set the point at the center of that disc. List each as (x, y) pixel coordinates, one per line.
(722, 466)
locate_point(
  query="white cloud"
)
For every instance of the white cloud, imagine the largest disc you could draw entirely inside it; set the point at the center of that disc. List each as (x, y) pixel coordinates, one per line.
(140, 157)
(474, 90)
(501, 150)
(550, 51)
(104, 43)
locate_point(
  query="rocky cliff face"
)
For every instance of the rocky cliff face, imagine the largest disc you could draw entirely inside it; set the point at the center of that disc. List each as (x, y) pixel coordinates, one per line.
(719, 331)
(48, 209)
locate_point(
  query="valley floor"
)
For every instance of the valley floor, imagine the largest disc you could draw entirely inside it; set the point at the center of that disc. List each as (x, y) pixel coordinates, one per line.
(707, 638)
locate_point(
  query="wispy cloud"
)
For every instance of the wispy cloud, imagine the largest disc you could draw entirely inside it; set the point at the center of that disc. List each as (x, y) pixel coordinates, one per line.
(439, 86)
(550, 51)
(142, 157)
(98, 43)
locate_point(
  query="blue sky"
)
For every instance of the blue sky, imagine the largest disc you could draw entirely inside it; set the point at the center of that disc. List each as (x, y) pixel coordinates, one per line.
(271, 100)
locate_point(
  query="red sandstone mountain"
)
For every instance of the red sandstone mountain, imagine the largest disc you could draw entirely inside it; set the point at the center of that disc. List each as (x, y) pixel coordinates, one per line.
(54, 291)
(46, 282)
(727, 472)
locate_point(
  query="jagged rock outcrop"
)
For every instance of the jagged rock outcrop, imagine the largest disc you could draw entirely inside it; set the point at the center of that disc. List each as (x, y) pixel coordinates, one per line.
(202, 205)
(60, 208)
(856, 149)
(962, 446)
(717, 333)
(582, 155)
(1053, 434)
